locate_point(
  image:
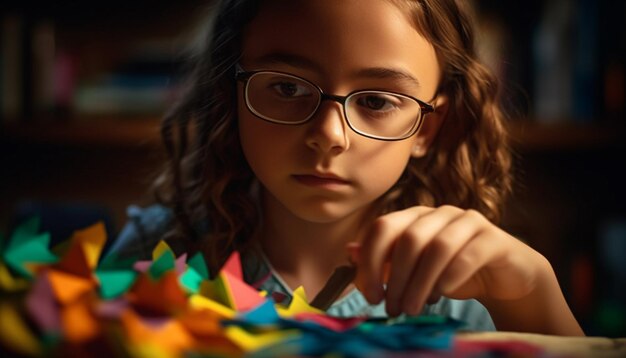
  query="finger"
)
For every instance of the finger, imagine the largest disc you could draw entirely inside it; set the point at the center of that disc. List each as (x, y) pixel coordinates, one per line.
(376, 248)
(485, 269)
(435, 258)
(406, 252)
(464, 266)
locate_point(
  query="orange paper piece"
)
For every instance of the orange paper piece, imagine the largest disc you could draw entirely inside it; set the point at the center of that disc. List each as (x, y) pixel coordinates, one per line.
(162, 296)
(170, 336)
(79, 325)
(91, 240)
(68, 288)
(203, 323)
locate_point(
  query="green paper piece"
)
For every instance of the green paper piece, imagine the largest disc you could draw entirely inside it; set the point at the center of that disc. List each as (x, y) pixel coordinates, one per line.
(426, 319)
(191, 280)
(199, 265)
(115, 283)
(113, 262)
(165, 262)
(24, 232)
(28, 247)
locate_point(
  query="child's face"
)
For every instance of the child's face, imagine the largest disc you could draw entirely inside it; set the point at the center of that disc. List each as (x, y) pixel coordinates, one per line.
(321, 170)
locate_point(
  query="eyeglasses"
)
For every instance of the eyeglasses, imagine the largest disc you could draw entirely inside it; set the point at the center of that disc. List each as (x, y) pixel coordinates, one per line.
(284, 98)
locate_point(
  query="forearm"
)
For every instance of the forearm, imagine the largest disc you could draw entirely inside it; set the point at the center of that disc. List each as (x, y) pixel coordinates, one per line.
(544, 310)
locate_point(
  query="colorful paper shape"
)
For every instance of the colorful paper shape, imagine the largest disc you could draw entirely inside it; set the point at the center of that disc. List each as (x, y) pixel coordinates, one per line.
(170, 307)
(27, 248)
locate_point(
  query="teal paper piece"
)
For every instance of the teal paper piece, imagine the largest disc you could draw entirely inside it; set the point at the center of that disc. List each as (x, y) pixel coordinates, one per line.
(166, 262)
(115, 283)
(196, 272)
(374, 337)
(26, 246)
(262, 315)
(199, 265)
(112, 262)
(191, 280)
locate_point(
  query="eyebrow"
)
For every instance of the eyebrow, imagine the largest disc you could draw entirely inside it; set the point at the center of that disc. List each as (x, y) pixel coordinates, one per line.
(288, 59)
(388, 73)
(384, 73)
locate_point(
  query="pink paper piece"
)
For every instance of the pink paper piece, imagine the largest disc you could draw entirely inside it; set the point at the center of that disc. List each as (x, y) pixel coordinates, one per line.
(41, 304)
(181, 264)
(112, 309)
(155, 322)
(142, 266)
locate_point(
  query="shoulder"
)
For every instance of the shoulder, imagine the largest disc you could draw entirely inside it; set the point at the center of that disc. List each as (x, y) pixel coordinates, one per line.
(145, 227)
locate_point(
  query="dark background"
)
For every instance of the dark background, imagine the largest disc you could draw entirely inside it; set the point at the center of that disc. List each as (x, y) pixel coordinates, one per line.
(562, 64)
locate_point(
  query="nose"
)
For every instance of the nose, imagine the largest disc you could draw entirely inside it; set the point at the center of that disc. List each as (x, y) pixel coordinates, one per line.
(328, 132)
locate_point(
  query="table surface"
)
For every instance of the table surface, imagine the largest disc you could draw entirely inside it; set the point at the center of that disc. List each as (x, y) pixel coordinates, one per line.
(566, 346)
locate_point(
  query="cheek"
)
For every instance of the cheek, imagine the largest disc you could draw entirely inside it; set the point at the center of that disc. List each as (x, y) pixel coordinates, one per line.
(383, 167)
(264, 144)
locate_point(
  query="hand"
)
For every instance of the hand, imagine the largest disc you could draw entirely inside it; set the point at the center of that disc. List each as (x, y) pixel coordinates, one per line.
(429, 252)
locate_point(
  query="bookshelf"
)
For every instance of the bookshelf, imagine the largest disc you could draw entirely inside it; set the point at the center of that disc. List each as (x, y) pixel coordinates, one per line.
(102, 132)
(568, 144)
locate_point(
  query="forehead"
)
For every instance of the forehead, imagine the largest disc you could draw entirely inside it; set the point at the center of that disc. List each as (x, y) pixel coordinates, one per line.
(338, 39)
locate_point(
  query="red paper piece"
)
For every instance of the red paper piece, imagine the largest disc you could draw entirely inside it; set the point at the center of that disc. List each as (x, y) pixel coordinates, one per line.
(233, 266)
(242, 296)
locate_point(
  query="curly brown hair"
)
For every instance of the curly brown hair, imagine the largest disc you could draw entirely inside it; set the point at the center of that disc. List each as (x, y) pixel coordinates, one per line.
(210, 187)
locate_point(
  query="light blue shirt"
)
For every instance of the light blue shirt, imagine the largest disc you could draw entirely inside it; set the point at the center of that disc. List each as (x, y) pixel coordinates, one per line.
(146, 226)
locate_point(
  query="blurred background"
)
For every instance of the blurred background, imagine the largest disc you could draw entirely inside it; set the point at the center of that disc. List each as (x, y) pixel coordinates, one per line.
(84, 84)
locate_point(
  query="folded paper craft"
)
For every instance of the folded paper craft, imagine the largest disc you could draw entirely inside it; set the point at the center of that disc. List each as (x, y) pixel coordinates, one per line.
(70, 301)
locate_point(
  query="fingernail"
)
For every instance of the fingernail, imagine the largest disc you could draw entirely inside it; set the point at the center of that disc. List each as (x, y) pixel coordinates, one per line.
(353, 248)
(412, 308)
(392, 309)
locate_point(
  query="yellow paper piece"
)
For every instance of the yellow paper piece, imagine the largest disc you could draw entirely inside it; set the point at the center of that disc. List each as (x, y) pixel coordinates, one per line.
(258, 340)
(149, 350)
(161, 248)
(201, 302)
(92, 240)
(68, 287)
(10, 283)
(15, 333)
(299, 304)
(78, 323)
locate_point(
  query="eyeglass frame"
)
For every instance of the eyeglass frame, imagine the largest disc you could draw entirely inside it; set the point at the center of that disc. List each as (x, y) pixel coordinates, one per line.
(244, 76)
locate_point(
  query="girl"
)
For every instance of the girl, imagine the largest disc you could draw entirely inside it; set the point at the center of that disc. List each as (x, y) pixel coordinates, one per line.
(367, 129)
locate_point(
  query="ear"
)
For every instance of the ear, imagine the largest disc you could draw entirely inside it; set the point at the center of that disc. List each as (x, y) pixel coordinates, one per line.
(430, 127)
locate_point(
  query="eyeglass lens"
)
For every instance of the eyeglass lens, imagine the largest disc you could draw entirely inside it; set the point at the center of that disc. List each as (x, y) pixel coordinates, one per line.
(287, 99)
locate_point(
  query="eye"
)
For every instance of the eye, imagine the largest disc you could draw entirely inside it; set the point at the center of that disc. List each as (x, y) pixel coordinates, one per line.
(378, 102)
(290, 89)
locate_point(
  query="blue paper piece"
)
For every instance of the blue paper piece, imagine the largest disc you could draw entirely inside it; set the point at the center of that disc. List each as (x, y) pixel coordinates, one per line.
(264, 314)
(371, 337)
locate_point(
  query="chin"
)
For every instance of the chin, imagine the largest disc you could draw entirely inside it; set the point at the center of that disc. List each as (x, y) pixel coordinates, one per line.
(326, 213)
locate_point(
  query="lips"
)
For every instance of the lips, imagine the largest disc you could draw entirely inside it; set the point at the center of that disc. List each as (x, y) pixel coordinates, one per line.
(321, 180)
